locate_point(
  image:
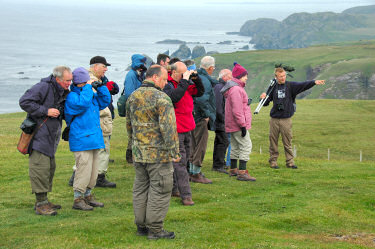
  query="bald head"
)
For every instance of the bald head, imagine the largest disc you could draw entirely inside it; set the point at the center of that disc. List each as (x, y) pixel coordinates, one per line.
(178, 69)
(225, 75)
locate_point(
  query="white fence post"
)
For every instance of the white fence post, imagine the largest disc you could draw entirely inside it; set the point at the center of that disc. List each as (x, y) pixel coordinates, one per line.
(360, 156)
(260, 150)
(294, 151)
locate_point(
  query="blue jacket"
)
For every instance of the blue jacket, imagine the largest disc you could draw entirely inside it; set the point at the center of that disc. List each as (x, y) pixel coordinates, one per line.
(205, 106)
(132, 80)
(36, 101)
(85, 132)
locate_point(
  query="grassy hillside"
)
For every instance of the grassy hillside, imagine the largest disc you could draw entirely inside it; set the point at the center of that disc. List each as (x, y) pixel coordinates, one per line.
(323, 204)
(301, 30)
(348, 68)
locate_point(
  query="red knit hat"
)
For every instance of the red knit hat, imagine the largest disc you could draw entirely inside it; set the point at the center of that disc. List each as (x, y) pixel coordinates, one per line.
(238, 71)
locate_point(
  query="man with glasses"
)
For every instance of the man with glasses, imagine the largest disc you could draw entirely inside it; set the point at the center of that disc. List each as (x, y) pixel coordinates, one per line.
(97, 70)
(182, 85)
(204, 116)
(44, 103)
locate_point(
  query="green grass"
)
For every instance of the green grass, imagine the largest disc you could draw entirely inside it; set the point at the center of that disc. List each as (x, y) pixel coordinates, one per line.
(323, 204)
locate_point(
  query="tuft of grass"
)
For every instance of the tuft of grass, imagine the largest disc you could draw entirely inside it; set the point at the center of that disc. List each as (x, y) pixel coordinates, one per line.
(323, 204)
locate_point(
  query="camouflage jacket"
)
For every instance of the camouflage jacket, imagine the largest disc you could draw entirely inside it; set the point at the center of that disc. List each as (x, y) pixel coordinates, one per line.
(151, 125)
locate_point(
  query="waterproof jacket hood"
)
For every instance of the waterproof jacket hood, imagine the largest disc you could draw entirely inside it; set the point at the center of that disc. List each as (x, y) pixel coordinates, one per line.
(137, 61)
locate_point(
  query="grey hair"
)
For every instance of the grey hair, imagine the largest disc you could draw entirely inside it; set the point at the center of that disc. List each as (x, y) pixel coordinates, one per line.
(207, 62)
(59, 71)
(92, 65)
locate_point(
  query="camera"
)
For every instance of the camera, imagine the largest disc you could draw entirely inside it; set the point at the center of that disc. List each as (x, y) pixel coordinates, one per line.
(249, 100)
(97, 84)
(280, 107)
(193, 76)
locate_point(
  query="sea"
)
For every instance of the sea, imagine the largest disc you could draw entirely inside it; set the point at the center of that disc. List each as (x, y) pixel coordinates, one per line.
(36, 36)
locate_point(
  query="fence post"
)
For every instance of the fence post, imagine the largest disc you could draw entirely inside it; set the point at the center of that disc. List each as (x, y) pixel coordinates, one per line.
(360, 156)
(260, 150)
(294, 151)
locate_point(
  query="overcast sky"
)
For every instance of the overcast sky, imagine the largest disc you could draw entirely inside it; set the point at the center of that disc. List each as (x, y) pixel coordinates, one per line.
(187, 2)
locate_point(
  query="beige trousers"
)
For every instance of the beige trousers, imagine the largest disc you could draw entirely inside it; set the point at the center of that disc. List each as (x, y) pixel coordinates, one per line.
(281, 126)
(87, 170)
(241, 146)
(104, 156)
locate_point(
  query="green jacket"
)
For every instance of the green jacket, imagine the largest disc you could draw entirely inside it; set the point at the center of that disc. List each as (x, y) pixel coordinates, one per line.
(151, 125)
(205, 106)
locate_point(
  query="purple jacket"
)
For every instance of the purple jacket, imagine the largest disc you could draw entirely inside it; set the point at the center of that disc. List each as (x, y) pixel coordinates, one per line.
(237, 112)
(36, 101)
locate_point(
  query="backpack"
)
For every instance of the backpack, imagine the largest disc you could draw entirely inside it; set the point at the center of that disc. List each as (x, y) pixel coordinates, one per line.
(121, 105)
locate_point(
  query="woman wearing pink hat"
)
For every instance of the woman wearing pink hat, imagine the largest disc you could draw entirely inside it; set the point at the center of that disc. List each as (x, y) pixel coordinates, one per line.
(238, 121)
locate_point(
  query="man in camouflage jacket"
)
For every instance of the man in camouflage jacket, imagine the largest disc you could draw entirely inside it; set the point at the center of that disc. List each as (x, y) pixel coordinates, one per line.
(151, 126)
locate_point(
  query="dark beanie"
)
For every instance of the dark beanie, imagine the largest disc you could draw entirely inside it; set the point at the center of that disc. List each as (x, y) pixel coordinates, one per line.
(238, 71)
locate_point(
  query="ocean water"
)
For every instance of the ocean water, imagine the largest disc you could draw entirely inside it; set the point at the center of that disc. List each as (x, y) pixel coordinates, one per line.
(36, 37)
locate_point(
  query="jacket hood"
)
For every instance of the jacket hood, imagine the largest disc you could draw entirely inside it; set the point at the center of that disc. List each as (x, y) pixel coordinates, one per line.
(51, 79)
(137, 61)
(227, 86)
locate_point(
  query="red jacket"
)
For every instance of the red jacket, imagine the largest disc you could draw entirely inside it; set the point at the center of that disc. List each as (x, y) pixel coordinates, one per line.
(184, 108)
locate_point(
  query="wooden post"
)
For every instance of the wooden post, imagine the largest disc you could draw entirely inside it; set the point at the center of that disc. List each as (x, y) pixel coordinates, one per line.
(260, 150)
(360, 156)
(294, 151)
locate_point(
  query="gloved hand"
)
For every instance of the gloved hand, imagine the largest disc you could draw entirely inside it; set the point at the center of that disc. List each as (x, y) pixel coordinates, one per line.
(110, 85)
(243, 131)
(97, 84)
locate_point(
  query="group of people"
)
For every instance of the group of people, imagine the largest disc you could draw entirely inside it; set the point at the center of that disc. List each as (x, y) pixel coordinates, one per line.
(170, 108)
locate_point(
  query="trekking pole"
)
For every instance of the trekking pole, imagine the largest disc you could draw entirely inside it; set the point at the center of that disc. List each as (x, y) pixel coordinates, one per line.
(269, 90)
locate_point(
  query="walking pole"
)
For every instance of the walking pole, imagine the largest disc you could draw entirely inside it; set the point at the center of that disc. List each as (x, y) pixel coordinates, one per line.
(269, 90)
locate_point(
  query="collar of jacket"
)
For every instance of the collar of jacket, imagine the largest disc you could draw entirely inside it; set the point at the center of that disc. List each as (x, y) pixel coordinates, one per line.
(203, 72)
(93, 76)
(170, 79)
(149, 83)
(52, 80)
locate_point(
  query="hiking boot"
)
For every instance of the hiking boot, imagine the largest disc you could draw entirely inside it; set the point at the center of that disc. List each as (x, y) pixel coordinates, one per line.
(187, 201)
(54, 206)
(51, 205)
(292, 166)
(103, 182)
(243, 175)
(233, 172)
(90, 200)
(80, 204)
(111, 160)
(176, 194)
(142, 231)
(274, 167)
(220, 170)
(200, 178)
(161, 235)
(129, 156)
(45, 209)
(71, 180)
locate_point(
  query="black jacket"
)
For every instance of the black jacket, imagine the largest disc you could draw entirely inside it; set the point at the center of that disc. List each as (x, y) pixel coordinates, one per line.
(284, 96)
(220, 106)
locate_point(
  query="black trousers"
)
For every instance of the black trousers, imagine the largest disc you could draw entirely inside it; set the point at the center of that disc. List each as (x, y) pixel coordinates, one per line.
(220, 147)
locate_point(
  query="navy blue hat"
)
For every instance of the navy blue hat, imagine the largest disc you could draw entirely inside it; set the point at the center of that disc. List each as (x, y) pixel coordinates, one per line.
(80, 75)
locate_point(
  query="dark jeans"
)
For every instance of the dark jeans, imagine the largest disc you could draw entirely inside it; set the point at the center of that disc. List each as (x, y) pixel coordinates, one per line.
(220, 147)
(181, 176)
